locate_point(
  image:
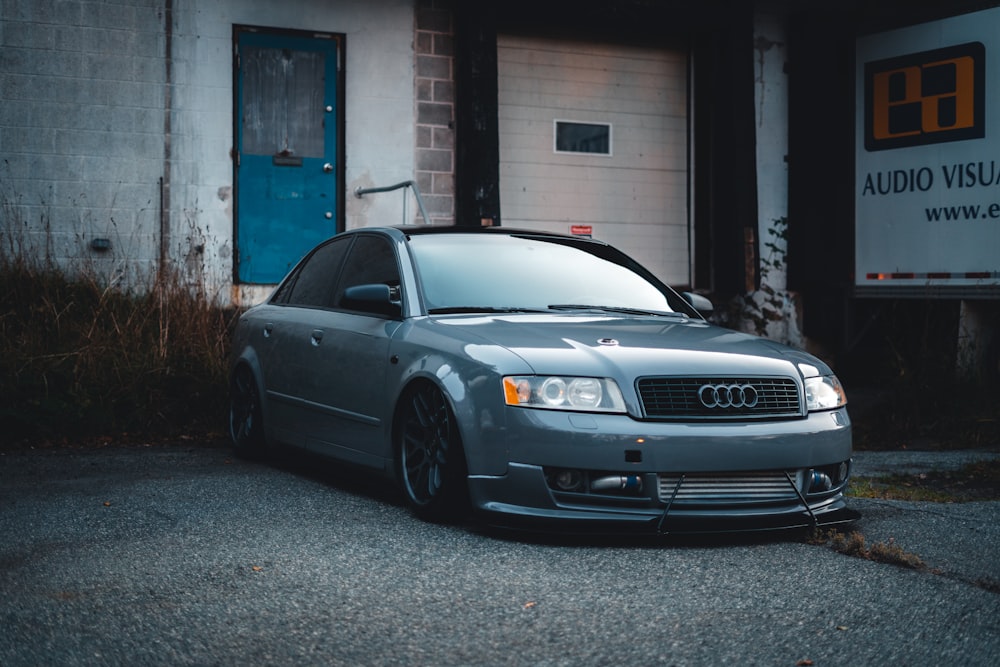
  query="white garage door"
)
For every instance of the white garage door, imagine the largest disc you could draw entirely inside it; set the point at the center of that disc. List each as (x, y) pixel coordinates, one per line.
(593, 138)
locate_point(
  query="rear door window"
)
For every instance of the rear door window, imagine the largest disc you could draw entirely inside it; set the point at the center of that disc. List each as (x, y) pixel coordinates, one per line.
(316, 279)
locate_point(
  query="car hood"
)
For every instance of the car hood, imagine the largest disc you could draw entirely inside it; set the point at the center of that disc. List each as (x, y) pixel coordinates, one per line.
(634, 346)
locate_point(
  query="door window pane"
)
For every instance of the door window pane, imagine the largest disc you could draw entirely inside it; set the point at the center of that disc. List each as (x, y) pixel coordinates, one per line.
(315, 281)
(283, 101)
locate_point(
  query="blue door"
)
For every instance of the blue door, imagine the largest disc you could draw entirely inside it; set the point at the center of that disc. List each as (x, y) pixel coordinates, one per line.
(287, 172)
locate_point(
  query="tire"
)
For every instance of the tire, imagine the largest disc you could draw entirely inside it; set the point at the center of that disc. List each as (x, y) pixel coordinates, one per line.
(430, 460)
(246, 425)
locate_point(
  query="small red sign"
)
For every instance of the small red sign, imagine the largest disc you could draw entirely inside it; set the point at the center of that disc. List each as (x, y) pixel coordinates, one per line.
(581, 230)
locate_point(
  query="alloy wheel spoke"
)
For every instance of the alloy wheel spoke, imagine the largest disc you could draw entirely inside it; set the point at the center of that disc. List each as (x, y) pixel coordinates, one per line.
(425, 445)
(243, 406)
(433, 480)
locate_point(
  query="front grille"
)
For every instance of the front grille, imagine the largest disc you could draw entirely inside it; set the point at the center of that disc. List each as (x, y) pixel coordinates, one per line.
(728, 489)
(677, 398)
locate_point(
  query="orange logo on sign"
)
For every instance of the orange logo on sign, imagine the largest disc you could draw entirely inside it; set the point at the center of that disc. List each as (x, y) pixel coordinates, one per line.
(923, 98)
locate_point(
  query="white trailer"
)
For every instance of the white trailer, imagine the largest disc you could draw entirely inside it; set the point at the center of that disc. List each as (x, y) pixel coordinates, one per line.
(927, 173)
(927, 197)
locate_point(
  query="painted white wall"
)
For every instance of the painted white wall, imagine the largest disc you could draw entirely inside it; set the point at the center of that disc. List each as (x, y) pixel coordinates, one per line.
(771, 310)
(771, 98)
(379, 115)
(83, 116)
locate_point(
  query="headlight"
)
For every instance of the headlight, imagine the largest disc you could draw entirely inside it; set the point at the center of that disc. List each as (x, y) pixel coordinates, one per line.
(563, 393)
(824, 393)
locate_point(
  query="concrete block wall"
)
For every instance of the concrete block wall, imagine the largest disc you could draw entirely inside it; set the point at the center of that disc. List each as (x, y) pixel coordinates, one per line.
(89, 150)
(81, 133)
(379, 113)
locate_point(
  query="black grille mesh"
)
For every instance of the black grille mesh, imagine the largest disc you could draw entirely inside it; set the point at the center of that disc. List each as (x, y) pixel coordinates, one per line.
(677, 398)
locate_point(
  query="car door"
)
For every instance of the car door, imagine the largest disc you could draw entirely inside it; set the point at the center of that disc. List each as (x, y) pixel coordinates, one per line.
(289, 325)
(348, 356)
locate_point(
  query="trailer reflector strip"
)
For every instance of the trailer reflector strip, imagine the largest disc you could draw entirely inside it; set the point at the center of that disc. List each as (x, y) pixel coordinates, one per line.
(968, 275)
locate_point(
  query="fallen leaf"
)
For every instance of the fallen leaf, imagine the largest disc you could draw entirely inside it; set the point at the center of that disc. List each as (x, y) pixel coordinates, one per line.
(256, 568)
(107, 503)
(529, 605)
(841, 627)
(804, 663)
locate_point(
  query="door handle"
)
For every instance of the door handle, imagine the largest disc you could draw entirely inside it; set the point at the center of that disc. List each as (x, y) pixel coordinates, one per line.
(327, 167)
(268, 328)
(317, 336)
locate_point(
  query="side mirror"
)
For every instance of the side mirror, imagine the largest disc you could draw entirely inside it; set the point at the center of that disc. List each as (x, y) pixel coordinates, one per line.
(699, 303)
(374, 298)
(375, 293)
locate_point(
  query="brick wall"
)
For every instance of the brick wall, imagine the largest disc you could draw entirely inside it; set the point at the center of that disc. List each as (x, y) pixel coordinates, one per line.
(435, 98)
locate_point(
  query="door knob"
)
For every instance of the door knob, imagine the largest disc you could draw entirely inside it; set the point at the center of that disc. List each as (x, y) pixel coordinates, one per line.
(328, 167)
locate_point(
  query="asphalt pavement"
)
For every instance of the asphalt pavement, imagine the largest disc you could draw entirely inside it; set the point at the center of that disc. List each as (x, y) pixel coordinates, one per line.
(184, 555)
(908, 462)
(960, 540)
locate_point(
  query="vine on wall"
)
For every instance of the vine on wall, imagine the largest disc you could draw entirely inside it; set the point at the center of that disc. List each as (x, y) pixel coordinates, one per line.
(771, 311)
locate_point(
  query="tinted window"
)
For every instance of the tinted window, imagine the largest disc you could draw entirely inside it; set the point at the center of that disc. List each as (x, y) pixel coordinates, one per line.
(371, 261)
(499, 271)
(583, 138)
(315, 280)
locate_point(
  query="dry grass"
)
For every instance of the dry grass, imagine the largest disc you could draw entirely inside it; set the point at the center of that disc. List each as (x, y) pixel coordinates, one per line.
(942, 416)
(910, 394)
(853, 544)
(82, 360)
(972, 482)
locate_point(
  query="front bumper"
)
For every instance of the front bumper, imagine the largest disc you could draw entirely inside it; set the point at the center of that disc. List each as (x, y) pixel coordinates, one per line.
(523, 499)
(606, 474)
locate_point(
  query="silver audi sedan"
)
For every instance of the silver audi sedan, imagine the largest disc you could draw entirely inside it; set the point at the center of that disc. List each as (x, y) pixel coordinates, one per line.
(536, 380)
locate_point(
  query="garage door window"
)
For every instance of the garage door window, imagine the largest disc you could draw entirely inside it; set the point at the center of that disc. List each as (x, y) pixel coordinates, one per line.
(575, 137)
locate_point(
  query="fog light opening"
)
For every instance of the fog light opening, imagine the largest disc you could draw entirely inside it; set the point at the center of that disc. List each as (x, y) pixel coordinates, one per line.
(568, 480)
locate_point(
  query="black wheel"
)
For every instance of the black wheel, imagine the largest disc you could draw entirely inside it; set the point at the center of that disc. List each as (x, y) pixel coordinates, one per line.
(431, 463)
(246, 427)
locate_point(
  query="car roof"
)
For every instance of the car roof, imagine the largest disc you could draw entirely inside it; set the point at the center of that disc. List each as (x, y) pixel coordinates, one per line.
(421, 230)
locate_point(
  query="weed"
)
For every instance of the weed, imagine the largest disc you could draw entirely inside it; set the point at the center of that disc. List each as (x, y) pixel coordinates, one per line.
(951, 414)
(988, 584)
(82, 359)
(906, 357)
(979, 480)
(894, 488)
(853, 544)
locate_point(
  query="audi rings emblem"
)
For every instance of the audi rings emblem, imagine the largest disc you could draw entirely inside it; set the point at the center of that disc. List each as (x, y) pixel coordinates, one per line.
(728, 395)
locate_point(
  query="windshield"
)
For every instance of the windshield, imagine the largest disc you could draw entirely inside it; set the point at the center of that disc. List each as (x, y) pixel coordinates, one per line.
(467, 272)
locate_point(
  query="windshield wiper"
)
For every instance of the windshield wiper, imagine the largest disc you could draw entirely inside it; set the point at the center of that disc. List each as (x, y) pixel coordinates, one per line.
(457, 310)
(616, 309)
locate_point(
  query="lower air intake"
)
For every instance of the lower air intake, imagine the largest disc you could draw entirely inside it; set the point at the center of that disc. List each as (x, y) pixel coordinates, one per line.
(728, 489)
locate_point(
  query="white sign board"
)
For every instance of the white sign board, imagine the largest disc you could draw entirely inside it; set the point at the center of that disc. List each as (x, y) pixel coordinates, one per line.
(927, 179)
